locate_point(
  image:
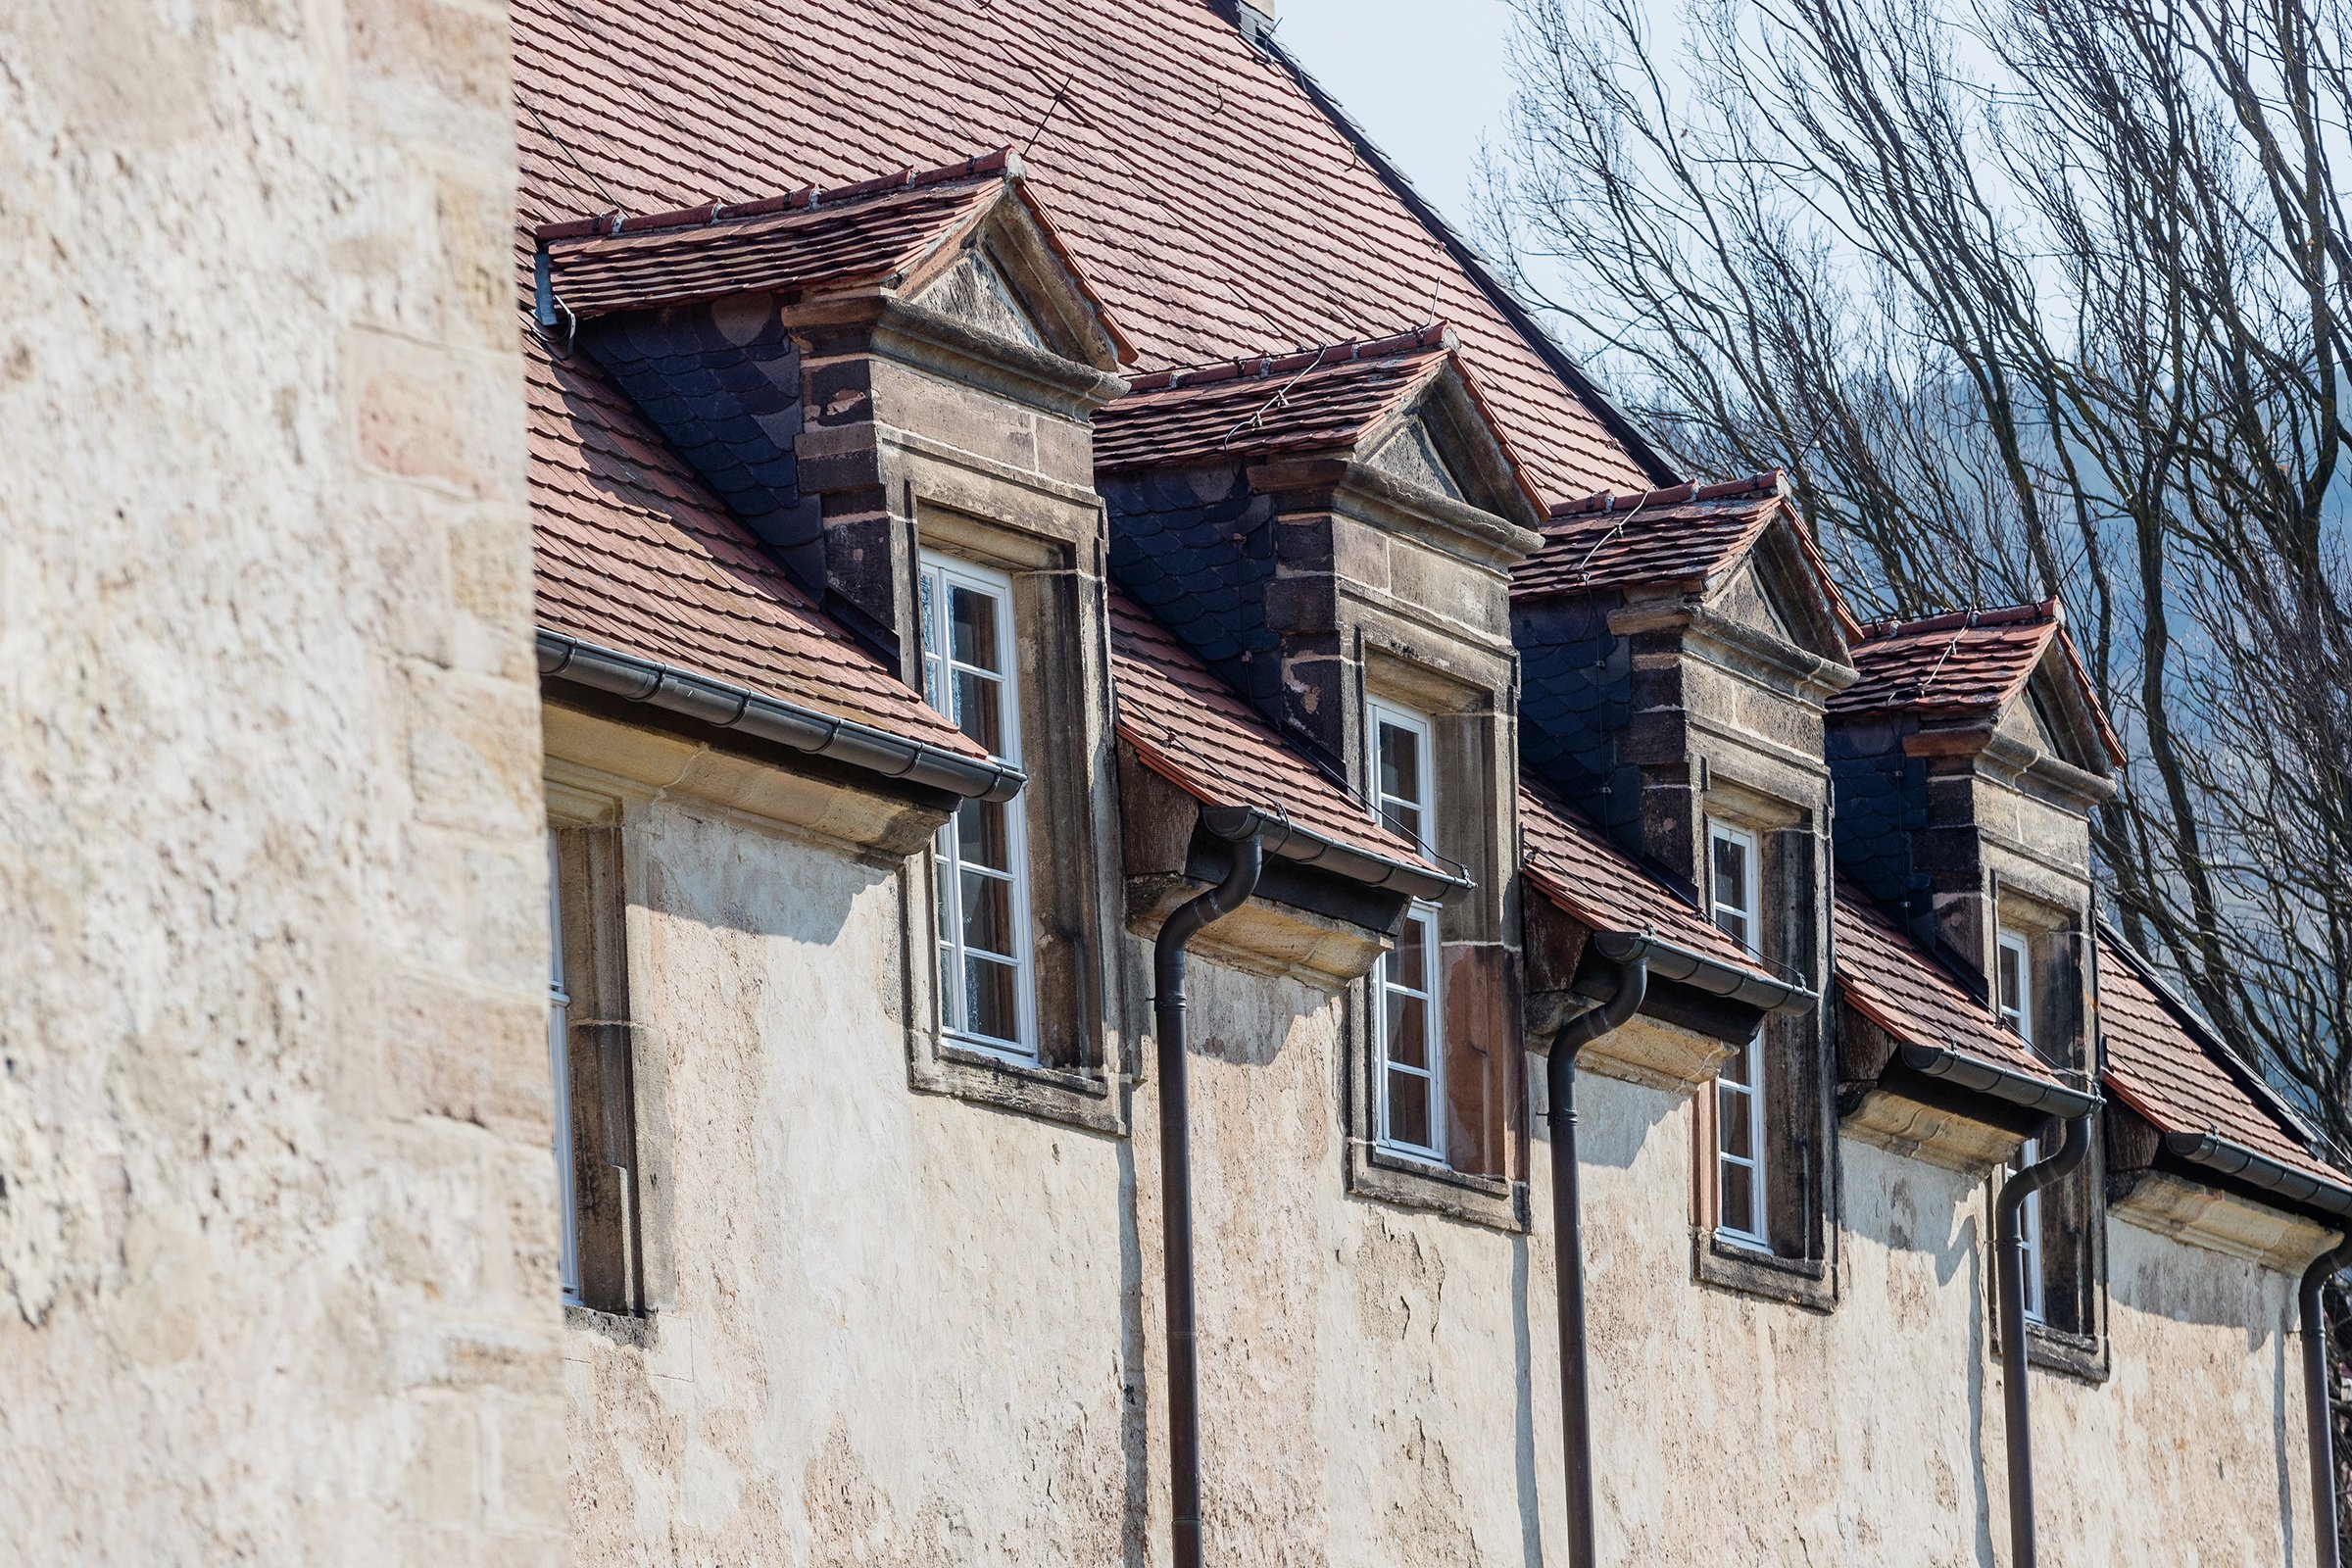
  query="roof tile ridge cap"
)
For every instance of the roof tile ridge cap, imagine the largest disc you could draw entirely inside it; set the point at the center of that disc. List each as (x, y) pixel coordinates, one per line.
(1435, 335)
(612, 221)
(1770, 481)
(2043, 612)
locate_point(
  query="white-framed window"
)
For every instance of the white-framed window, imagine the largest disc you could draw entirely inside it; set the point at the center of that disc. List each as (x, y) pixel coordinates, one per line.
(1408, 1022)
(1740, 1158)
(987, 993)
(559, 1066)
(2014, 997)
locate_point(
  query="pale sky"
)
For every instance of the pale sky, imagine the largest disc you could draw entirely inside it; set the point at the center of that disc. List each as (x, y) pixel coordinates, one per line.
(1425, 79)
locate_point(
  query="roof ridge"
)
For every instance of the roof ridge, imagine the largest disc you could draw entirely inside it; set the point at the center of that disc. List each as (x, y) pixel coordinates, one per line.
(1580, 388)
(1002, 162)
(1420, 339)
(2044, 612)
(1774, 481)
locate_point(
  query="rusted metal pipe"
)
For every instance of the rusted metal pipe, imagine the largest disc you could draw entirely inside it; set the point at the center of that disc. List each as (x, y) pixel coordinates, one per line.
(1568, 1239)
(2009, 1279)
(2316, 1409)
(1176, 1185)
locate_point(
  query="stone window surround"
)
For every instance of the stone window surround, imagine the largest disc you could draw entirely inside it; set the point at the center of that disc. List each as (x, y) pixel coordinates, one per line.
(1456, 712)
(1720, 1257)
(2049, 929)
(1079, 1071)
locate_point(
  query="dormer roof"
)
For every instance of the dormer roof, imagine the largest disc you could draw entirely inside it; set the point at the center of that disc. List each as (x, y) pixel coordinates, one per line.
(1739, 545)
(1888, 977)
(1357, 399)
(899, 233)
(1972, 665)
(1691, 534)
(633, 553)
(1197, 732)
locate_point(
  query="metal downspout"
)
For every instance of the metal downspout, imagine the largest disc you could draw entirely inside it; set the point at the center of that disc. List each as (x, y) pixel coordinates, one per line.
(1176, 1185)
(1568, 1240)
(2317, 1414)
(2010, 1281)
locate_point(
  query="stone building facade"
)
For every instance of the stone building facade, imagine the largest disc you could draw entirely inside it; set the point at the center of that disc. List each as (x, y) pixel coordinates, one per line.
(735, 582)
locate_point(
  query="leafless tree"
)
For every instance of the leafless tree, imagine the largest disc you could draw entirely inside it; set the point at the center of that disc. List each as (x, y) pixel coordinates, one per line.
(2030, 296)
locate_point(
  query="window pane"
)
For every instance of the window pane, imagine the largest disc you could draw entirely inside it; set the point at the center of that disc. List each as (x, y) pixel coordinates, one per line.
(2012, 987)
(972, 629)
(1408, 965)
(981, 836)
(1740, 1067)
(1401, 763)
(987, 912)
(1402, 820)
(979, 711)
(1737, 1202)
(989, 991)
(1731, 1125)
(1408, 1109)
(926, 587)
(1731, 872)
(1408, 1030)
(948, 992)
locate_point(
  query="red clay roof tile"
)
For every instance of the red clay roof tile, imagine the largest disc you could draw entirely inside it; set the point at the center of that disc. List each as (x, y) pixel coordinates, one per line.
(1199, 189)
(1322, 401)
(1575, 866)
(864, 241)
(2166, 1065)
(1892, 980)
(1968, 663)
(634, 554)
(1194, 731)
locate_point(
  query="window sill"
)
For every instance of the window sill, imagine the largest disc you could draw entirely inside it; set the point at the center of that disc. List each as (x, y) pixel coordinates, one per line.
(942, 1064)
(2080, 1357)
(1804, 1281)
(1386, 1176)
(635, 1330)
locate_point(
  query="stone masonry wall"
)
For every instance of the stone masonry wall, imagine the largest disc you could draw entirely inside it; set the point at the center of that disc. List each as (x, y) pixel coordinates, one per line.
(276, 1230)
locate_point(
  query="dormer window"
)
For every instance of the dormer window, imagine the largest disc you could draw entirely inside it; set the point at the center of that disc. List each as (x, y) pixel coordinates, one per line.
(1409, 1024)
(1741, 1172)
(986, 992)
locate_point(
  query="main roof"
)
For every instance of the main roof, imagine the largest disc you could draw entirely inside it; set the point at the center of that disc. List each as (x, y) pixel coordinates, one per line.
(1194, 731)
(1215, 206)
(1575, 866)
(2164, 1062)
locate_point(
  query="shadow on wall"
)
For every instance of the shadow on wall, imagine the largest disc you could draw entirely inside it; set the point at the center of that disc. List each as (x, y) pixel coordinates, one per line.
(1615, 1119)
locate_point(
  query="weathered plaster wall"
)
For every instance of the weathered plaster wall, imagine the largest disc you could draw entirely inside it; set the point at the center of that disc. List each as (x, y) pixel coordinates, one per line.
(2192, 1452)
(1734, 1429)
(1360, 1391)
(901, 1327)
(887, 1327)
(275, 1228)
